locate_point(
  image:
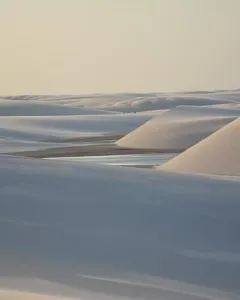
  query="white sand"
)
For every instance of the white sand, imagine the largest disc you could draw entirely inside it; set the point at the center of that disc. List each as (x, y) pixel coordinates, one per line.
(20, 295)
(33, 108)
(137, 102)
(218, 154)
(105, 231)
(69, 230)
(179, 128)
(38, 132)
(34, 122)
(37, 124)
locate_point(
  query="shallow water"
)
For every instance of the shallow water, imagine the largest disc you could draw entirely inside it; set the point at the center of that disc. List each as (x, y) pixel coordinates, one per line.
(131, 160)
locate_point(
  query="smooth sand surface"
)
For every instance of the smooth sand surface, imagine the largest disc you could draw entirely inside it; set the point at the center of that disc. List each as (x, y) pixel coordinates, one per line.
(218, 154)
(37, 108)
(179, 128)
(117, 232)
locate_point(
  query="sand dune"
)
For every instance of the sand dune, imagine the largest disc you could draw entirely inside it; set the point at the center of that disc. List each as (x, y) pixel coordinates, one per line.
(161, 102)
(82, 231)
(191, 112)
(136, 102)
(179, 128)
(27, 122)
(117, 233)
(218, 154)
(55, 128)
(31, 108)
(173, 136)
(29, 125)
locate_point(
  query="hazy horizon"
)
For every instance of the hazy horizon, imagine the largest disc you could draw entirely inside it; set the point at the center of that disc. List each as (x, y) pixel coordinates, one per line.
(105, 46)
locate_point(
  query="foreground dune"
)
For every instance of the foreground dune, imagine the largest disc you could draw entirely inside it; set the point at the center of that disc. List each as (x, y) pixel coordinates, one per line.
(218, 154)
(115, 233)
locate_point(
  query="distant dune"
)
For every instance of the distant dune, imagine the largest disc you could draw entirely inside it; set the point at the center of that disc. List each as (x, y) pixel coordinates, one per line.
(218, 154)
(162, 102)
(134, 102)
(31, 108)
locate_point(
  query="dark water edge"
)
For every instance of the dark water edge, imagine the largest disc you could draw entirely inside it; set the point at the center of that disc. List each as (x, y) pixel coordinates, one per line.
(92, 150)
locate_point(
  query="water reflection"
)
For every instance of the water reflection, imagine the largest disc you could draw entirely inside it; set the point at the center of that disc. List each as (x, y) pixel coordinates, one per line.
(132, 160)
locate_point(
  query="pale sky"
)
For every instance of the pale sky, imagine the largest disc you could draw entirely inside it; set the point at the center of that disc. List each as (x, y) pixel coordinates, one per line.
(105, 46)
